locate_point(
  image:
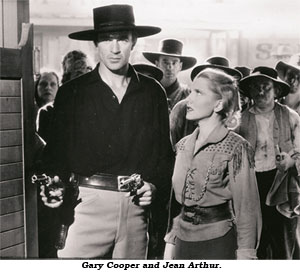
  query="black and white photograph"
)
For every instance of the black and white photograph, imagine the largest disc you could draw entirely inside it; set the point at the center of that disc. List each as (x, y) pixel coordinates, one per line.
(150, 134)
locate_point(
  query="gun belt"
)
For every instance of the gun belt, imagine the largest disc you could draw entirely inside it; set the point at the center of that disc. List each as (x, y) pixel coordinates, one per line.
(101, 181)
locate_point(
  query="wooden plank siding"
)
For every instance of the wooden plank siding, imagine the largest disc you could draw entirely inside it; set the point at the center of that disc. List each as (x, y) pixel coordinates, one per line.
(11, 238)
(17, 251)
(11, 188)
(18, 207)
(10, 138)
(10, 88)
(11, 121)
(10, 104)
(11, 204)
(12, 221)
(11, 154)
(11, 171)
(12, 217)
(12, 234)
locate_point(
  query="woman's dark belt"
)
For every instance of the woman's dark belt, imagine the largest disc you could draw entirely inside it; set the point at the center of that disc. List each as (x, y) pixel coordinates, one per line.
(205, 215)
(104, 182)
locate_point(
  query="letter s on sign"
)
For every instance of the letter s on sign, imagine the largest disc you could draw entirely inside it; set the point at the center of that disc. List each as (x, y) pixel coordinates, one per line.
(264, 51)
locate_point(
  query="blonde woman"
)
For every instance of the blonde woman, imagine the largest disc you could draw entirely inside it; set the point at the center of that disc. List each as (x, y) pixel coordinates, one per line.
(214, 183)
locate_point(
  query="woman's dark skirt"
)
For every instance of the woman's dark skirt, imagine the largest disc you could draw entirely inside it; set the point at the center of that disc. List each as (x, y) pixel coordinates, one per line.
(222, 248)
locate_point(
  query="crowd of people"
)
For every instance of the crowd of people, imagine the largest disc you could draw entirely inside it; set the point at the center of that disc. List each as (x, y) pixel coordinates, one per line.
(142, 166)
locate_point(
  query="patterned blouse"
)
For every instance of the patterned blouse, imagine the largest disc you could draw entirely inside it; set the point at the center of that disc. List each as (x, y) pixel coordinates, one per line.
(220, 170)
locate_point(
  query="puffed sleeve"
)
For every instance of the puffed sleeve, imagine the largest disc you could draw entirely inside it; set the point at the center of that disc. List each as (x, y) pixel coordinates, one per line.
(246, 201)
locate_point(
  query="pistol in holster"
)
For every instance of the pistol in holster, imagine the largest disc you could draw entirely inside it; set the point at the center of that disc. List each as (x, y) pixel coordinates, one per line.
(66, 210)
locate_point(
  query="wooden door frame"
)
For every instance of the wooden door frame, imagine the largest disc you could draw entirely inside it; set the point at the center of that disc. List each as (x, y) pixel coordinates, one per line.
(18, 64)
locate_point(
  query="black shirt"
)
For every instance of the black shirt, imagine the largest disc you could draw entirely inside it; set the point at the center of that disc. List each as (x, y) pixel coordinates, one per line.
(92, 132)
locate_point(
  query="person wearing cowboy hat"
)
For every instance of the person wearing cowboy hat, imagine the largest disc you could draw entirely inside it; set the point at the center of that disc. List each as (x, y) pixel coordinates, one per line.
(274, 132)
(214, 184)
(157, 222)
(110, 136)
(245, 101)
(290, 73)
(170, 60)
(179, 125)
(149, 70)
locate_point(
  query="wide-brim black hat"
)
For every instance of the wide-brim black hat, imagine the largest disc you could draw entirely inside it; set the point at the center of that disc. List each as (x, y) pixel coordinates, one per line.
(245, 71)
(293, 64)
(171, 48)
(217, 62)
(114, 18)
(283, 88)
(149, 69)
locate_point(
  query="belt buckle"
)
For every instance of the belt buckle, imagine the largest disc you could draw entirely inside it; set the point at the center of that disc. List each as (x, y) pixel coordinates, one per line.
(196, 219)
(121, 186)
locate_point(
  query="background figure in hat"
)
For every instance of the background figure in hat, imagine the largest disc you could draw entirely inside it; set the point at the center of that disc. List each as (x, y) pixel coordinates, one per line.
(149, 70)
(246, 102)
(290, 73)
(170, 60)
(214, 180)
(110, 127)
(158, 218)
(179, 125)
(274, 132)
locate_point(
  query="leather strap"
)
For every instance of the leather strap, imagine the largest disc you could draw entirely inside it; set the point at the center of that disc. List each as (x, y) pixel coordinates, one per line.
(205, 215)
(101, 181)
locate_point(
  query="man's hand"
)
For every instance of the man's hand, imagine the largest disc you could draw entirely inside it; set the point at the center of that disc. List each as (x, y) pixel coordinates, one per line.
(52, 193)
(284, 161)
(145, 195)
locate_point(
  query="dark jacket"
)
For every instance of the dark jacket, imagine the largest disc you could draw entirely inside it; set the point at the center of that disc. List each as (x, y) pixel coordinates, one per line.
(176, 92)
(44, 121)
(93, 133)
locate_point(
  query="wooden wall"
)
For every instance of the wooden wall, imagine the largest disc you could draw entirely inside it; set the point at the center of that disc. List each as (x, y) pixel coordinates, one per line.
(12, 236)
(18, 213)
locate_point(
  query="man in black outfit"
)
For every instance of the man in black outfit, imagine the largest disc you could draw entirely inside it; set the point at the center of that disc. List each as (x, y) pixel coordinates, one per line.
(109, 124)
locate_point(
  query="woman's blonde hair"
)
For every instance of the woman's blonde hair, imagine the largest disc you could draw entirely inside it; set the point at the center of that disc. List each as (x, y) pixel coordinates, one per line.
(225, 87)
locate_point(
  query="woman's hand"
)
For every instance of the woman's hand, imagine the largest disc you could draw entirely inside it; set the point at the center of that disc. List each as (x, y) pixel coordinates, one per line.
(169, 251)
